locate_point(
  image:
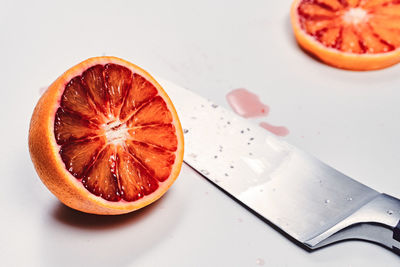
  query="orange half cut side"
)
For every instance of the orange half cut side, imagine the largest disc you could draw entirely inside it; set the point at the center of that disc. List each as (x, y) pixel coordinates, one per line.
(105, 138)
(349, 34)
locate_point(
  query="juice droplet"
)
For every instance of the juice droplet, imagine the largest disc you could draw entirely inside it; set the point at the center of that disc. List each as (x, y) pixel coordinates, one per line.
(277, 130)
(327, 201)
(260, 262)
(246, 104)
(42, 90)
(205, 172)
(390, 212)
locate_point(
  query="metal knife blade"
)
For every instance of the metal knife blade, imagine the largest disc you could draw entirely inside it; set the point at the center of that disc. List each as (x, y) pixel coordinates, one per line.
(310, 201)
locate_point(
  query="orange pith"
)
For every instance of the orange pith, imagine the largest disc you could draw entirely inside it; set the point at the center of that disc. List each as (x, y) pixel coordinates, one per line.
(105, 138)
(350, 34)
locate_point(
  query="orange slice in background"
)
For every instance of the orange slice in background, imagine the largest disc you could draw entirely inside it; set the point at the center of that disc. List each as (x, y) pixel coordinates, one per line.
(105, 138)
(349, 34)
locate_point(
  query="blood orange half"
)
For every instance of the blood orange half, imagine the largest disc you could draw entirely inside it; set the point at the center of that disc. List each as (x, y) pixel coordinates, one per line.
(349, 34)
(105, 138)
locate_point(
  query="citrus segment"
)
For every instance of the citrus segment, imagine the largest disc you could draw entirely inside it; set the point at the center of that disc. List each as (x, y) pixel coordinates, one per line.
(135, 179)
(330, 4)
(157, 160)
(156, 135)
(75, 100)
(78, 156)
(117, 82)
(386, 33)
(113, 137)
(314, 27)
(95, 86)
(391, 11)
(101, 178)
(141, 92)
(71, 127)
(315, 11)
(375, 3)
(372, 43)
(350, 42)
(392, 25)
(353, 3)
(358, 35)
(330, 37)
(153, 112)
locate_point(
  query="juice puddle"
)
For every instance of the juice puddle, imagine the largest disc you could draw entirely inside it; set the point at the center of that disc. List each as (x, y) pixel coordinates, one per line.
(277, 130)
(246, 104)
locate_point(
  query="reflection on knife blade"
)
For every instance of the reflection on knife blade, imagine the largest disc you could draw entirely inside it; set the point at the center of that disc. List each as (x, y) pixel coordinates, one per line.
(309, 201)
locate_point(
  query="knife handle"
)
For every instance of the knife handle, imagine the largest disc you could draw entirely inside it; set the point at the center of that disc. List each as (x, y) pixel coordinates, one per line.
(377, 221)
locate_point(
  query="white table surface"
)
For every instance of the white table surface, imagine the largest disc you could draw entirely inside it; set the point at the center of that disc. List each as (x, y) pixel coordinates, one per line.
(348, 119)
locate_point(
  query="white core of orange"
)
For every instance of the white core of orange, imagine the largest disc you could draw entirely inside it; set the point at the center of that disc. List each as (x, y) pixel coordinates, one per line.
(116, 132)
(355, 16)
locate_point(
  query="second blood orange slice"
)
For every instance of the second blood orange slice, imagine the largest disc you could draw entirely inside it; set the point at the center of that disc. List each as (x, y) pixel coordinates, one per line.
(349, 34)
(105, 137)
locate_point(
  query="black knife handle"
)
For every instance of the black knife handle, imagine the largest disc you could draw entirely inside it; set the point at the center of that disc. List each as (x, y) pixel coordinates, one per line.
(396, 236)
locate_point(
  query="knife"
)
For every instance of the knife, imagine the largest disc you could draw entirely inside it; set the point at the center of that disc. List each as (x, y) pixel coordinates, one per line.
(308, 201)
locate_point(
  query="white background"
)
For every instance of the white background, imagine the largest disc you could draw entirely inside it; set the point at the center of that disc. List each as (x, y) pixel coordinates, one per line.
(348, 119)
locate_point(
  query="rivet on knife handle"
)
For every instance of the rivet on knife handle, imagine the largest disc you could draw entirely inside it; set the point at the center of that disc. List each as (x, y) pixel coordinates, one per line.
(396, 236)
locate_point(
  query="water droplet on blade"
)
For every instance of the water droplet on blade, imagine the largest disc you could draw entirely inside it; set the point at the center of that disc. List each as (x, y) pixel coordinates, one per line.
(205, 172)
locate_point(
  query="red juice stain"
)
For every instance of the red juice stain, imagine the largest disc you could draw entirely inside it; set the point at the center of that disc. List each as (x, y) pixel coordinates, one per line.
(277, 130)
(246, 104)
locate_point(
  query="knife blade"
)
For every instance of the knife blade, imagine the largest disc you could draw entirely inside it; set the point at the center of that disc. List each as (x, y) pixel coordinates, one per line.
(311, 202)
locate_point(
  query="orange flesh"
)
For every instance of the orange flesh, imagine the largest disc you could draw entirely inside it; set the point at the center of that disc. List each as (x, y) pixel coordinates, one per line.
(354, 26)
(116, 134)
